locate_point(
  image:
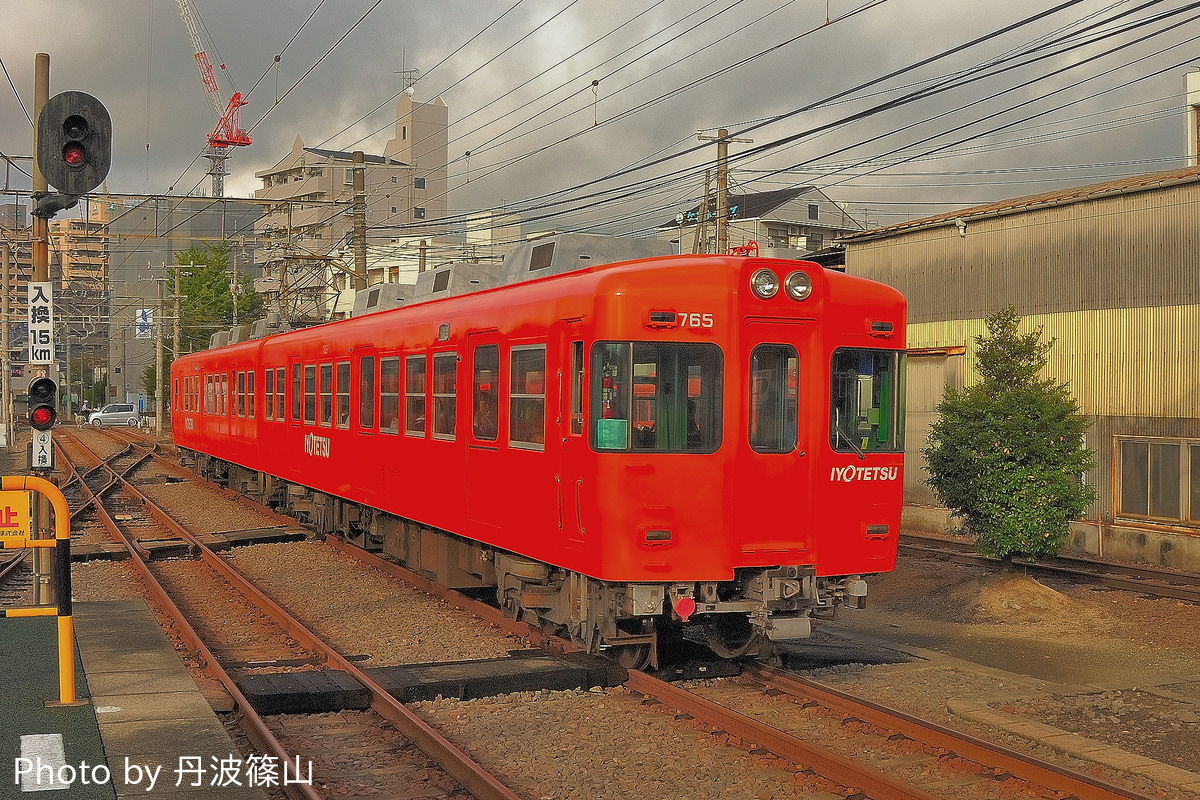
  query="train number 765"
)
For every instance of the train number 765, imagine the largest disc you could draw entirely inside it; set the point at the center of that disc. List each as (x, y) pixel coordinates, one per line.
(694, 319)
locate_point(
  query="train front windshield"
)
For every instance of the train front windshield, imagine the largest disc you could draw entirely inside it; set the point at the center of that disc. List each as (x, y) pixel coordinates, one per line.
(656, 396)
(866, 411)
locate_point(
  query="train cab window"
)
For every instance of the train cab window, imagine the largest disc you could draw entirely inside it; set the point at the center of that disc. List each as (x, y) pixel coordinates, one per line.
(527, 398)
(343, 394)
(414, 396)
(389, 395)
(279, 393)
(269, 394)
(866, 410)
(297, 392)
(366, 393)
(485, 400)
(310, 394)
(250, 394)
(659, 397)
(326, 418)
(774, 372)
(445, 373)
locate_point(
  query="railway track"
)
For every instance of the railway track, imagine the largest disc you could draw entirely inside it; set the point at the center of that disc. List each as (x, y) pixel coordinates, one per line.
(237, 622)
(1150, 581)
(892, 755)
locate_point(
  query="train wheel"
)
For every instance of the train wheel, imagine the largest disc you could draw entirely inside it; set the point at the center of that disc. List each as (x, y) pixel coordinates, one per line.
(634, 656)
(732, 636)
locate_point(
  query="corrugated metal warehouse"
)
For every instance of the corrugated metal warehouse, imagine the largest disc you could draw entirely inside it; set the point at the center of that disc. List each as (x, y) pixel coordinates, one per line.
(1111, 272)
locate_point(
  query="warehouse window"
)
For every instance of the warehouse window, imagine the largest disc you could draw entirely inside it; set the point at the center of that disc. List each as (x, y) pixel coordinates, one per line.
(343, 394)
(445, 368)
(366, 393)
(389, 395)
(414, 396)
(1159, 479)
(527, 398)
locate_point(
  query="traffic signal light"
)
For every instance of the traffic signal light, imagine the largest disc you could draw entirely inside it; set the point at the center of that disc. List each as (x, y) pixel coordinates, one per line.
(43, 403)
(74, 149)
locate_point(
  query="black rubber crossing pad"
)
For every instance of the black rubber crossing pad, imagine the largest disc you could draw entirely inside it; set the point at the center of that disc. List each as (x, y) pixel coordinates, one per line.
(304, 692)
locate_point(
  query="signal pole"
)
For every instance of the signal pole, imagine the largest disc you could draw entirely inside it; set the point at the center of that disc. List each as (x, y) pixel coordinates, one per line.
(360, 221)
(722, 139)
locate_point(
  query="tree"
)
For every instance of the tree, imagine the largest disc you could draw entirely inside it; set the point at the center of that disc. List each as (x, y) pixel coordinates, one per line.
(1006, 455)
(206, 281)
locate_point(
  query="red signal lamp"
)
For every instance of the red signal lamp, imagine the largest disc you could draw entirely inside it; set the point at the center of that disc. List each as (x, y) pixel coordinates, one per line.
(74, 154)
(41, 418)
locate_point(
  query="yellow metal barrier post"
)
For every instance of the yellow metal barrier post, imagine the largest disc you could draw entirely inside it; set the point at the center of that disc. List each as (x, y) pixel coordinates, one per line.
(10, 520)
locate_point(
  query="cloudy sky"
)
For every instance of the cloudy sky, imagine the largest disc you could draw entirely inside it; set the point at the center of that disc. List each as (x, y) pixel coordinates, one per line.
(899, 108)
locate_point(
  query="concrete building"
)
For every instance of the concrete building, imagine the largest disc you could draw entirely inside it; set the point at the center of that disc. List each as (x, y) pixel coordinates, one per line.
(308, 230)
(786, 223)
(1108, 271)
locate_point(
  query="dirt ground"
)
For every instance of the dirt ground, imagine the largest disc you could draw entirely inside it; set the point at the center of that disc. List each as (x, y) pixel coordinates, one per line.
(1109, 665)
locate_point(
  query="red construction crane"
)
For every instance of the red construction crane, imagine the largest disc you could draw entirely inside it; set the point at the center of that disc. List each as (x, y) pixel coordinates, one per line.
(227, 133)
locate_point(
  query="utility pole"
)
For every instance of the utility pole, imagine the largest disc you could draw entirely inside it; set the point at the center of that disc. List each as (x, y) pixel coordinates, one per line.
(360, 221)
(158, 358)
(723, 139)
(702, 222)
(177, 328)
(6, 386)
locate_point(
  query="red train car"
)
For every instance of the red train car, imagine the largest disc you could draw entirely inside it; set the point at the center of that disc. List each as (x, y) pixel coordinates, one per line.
(620, 451)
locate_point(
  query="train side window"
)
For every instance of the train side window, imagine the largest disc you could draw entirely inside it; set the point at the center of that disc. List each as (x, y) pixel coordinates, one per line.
(527, 398)
(366, 393)
(343, 394)
(326, 375)
(485, 395)
(225, 394)
(389, 395)
(297, 392)
(774, 370)
(445, 374)
(414, 396)
(577, 388)
(279, 393)
(269, 394)
(310, 394)
(250, 394)
(241, 395)
(208, 394)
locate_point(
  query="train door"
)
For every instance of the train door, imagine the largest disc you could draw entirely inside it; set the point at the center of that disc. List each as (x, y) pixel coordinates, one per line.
(772, 493)
(487, 493)
(571, 431)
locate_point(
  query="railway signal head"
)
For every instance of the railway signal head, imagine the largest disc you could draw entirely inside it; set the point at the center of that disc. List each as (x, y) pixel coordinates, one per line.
(43, 403)
(74, 144)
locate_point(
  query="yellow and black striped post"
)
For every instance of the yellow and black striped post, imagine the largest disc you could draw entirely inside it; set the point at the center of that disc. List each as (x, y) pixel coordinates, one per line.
(62, 574)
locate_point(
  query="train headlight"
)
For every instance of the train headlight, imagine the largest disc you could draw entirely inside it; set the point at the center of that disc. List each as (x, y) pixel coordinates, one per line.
(798, 285)
(764, 283)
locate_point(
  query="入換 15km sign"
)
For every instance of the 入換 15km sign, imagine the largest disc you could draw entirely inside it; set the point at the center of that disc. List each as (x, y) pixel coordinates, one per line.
(41, 323)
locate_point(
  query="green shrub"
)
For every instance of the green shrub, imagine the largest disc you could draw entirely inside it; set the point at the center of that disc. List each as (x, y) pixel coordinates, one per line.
(1006, 455)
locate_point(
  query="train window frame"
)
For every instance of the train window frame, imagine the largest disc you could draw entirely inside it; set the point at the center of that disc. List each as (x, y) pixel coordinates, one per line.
(485, 392)
(280, 412)
(527, 408)
(444, 396)
(325, 395)
(366, 393)
(310, 394)
(269, 393)
(771, 403)
(578, 360)
(389, 394)
(690, 424)
(849, 393)
(297, 391)
(225, 408)
(240, 394)
(207, 393)
(415, 386)
(341, 411)
(250, 394)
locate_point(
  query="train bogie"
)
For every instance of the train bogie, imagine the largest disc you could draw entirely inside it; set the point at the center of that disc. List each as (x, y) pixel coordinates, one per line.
(694, 440)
